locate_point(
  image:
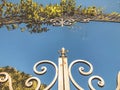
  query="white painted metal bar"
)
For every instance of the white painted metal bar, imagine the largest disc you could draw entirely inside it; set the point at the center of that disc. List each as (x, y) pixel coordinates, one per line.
(63, 74)
(66, 74)
(118, 82)
(60, 75)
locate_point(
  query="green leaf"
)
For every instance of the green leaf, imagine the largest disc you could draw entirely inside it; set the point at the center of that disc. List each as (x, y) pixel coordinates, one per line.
(8, 27)
(23, 29)
(14, 26)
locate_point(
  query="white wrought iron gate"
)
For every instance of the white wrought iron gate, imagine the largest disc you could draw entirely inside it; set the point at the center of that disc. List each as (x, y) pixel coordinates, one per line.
(63, 74)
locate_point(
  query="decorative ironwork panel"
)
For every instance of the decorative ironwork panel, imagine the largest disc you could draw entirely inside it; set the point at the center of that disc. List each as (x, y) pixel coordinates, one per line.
(61, 76)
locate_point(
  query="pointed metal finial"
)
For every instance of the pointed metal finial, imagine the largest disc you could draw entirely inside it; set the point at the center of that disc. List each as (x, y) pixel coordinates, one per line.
(118, 81)
(63, 52)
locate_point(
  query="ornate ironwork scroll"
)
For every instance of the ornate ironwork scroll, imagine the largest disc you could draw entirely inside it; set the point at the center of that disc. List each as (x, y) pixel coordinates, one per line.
(101, 82)
(63, 68)
(29, 82)
(81, 70)
(62, 21)
(44, 69)
(6, 77)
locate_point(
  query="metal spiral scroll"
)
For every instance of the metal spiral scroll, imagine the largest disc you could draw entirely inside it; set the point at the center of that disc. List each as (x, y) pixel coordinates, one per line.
(6, 77)
(81, 70)
(29, 82)
(101, 82)
(44, 69)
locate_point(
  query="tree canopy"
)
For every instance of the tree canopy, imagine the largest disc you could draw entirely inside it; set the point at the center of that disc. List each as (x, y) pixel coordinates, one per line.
(36, 16)
(18, 80)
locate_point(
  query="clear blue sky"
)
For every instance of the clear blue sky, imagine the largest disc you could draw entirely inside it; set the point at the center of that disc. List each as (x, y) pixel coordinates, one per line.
(97, 42)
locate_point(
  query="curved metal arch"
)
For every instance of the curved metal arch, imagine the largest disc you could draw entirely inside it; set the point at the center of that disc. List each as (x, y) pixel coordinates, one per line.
(81, 70)
(29, 82)
(101, 82)
(44, 69)
(6, 78)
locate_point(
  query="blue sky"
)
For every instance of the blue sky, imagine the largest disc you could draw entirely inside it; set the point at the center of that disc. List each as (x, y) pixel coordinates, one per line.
(96, 42)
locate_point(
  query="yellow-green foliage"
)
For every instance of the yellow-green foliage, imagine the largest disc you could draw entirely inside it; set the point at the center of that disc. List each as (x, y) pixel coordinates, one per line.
(71, 7)
(31, 10)
(53, 11)
(92, 11)
(18, 80)
(34, 15)
(68, 6)
(115, 13)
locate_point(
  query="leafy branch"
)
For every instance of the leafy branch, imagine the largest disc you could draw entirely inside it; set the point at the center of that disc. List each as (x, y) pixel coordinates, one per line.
(36, 16)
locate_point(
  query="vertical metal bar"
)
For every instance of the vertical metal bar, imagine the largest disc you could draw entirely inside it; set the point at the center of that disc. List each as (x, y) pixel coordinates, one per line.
(118, 82)
(66, 75)
(60, 75)
(63, 76)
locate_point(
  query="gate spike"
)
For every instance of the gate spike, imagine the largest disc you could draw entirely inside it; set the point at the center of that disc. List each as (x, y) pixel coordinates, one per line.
(63, 52)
